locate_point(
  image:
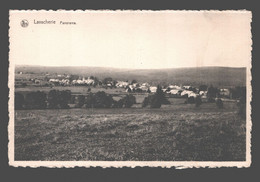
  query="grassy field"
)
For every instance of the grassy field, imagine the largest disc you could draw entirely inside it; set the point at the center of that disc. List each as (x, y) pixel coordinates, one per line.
(176, 132)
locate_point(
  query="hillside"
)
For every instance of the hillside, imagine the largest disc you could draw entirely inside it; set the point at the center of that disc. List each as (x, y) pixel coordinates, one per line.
(217, 76)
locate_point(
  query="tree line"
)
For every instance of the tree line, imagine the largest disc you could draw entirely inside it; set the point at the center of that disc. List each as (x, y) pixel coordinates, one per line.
(56, 99)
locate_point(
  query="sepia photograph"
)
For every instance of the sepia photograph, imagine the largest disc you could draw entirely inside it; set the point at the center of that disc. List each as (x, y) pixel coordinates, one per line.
(129, 88)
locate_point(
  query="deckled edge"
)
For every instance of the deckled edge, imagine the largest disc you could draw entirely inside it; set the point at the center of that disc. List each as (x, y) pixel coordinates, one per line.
(131, 164)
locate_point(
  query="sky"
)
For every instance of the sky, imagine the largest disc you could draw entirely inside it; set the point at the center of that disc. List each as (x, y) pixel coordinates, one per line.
(132, 39)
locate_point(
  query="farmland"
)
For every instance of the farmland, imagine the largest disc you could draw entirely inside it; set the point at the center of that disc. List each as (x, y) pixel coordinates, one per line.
(174, 132)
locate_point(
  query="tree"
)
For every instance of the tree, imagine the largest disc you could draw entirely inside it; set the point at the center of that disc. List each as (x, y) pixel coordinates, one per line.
(107, 80)
(73, 77)
(155, 100)
(145, 102)
(133, 82)
(64, 98)
(242, 104)
(203, 88)
(59, 99)
(161, 95)
(114, 83)
(90, 100)
(238, 92)
(118, 104)
(53, 99)
(128, 101)
(219, 103)
(19, 101)
(72, 99)
(198, 101)
(190, 100)
(128, 89)
(35, 100)
(99, 100)
(212, 92)
(103, 100)
(80, 101)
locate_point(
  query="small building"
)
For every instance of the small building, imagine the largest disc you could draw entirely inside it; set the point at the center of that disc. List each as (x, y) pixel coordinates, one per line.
(153, 89)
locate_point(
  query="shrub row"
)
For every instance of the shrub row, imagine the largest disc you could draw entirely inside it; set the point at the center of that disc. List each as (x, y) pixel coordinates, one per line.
(39, 100)
(103, 100)
(56, 99)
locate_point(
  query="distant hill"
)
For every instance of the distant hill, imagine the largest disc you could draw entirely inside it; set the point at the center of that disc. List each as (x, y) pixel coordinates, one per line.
(217, 76)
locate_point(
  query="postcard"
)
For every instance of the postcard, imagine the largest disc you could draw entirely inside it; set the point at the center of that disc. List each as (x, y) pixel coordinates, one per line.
(128, 88)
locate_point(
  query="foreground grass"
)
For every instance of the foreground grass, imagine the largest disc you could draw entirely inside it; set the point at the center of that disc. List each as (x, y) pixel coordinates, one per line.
(173, 133)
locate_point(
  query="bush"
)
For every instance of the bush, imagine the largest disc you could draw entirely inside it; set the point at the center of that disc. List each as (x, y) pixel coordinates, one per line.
(59, 99)
(242, 106)
(212, 92)
(145, 102)
(102, 100)
(72, 99)
(198, 101)
(203, 88)
(24, 84)
(127, 101)
(118, 104)
(19, 101)
(35, 100)
(64, 98)
(190, 100)
(80, 101)
(237, 92)
(90, 101)
(53, 99)
(211, 100)
(161, 96)
(219, 103)
(155, 101)
(99, 100)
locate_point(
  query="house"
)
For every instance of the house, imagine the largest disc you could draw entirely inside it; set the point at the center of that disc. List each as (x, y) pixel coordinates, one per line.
(193, 95)
(187, 87)
(203, 93)
(37, 81)
(176, 87)
(186, 93)
(174, 92)
(224, 92)
(153, 89)
(122, 84)
(144, 88)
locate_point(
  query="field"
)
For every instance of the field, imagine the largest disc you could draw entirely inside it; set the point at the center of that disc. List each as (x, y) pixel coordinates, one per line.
(176, 132)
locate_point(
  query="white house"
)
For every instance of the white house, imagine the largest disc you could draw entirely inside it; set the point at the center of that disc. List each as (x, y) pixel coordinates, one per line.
(153, 89)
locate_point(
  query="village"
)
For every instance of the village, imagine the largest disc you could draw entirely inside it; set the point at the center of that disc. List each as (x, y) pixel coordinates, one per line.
(133, 86)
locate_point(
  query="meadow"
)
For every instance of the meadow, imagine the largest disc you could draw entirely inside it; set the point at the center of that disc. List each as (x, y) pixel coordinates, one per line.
(176, 132)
